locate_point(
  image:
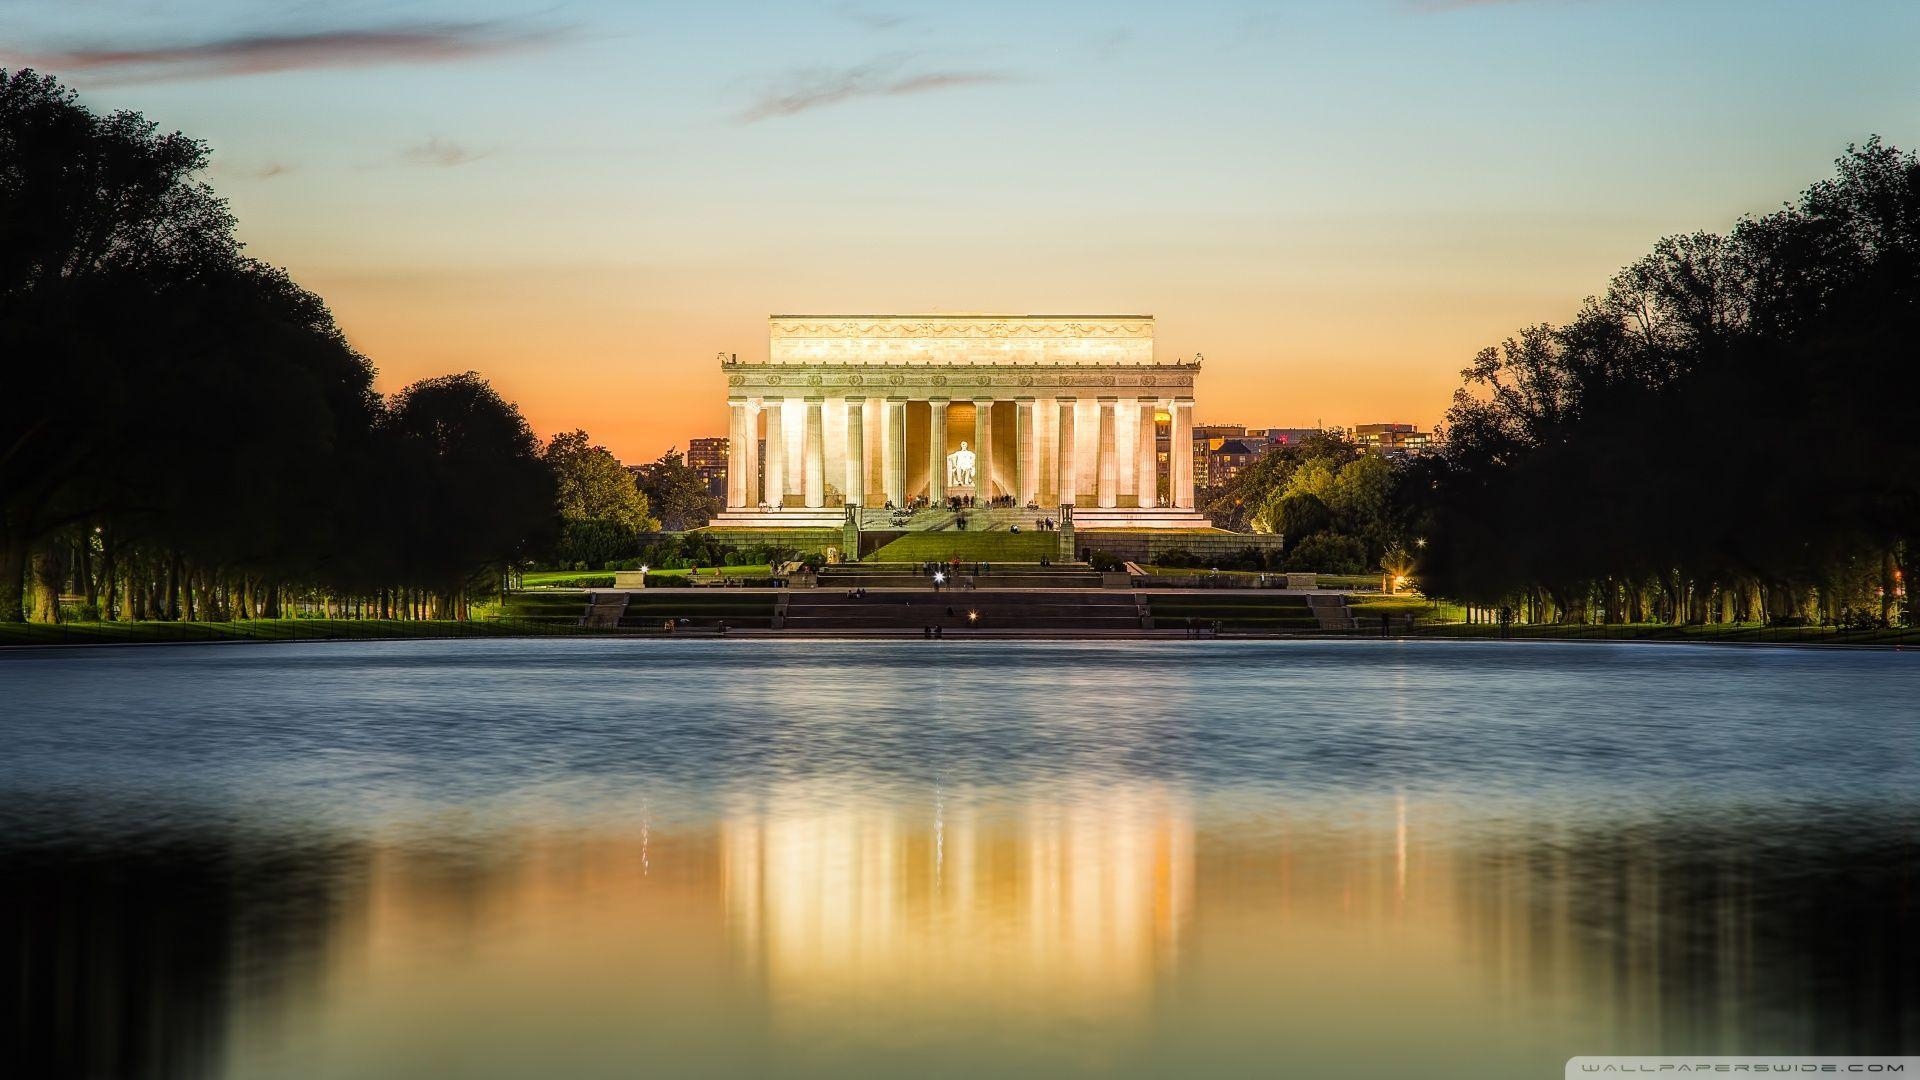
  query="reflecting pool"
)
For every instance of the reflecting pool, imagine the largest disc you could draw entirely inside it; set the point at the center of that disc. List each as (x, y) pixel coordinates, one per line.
(734, 857)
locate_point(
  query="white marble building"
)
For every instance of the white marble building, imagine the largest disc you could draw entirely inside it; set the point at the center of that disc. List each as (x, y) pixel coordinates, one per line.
(871, 410)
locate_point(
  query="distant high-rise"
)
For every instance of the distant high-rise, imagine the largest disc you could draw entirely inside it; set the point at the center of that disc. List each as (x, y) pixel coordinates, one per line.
(708, 457)
(1392, 439)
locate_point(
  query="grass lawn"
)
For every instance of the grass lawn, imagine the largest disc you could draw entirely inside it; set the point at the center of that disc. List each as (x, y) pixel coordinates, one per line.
(1249, 611)
(603, 579)
(679, 577)
(919, 547)
(1719, 632)
(1238, 576)
(132, 633)
(1355, 582)
(1422, 609)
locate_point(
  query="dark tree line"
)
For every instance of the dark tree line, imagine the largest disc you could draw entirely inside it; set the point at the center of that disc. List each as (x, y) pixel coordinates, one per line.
(186, 432)
(1724, 435)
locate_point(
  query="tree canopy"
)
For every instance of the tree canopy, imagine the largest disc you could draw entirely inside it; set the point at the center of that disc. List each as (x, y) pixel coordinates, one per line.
(1720, 434)
(188, 432)
(677, 491)
(594, 486)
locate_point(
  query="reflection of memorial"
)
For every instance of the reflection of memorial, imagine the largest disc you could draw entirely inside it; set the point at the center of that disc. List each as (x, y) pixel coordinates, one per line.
(1047, 410)
(1072, 906)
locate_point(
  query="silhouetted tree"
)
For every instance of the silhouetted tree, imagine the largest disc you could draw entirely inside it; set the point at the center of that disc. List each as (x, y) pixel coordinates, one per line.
(1721, 435)
(187, 433)
(677, 492)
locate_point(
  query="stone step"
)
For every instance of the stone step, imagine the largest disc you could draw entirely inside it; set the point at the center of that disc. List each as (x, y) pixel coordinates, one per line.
(826, 609)
(983, 623)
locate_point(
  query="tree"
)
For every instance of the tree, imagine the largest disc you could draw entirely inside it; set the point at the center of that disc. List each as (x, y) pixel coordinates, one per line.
(469, 480)
(1327, 553)
(592, 485)
(1561, 489)
(1296, 516)
(677, 492)
(93, 210)
(188, 434)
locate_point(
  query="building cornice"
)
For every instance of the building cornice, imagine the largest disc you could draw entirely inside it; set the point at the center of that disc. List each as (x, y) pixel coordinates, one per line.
(933, 379)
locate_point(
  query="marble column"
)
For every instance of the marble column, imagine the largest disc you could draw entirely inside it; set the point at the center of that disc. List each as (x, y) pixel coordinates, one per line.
(1147, 472)
(856, 487)
(1126, 453)
(736, 453)
(1026, 480)
(937, 451)
(750, 476)
(814, 469)
(1069, 476)
(983, 448)
(1180, 454)
(776, 454)
(897, 451)
(1107, 493)
(1046, 438)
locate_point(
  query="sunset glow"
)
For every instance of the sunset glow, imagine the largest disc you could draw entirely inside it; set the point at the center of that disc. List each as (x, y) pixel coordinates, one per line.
(1337, 204)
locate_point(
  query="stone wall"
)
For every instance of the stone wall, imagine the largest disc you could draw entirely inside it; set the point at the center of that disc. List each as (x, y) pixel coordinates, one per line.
(806, 541)
(1146, 546)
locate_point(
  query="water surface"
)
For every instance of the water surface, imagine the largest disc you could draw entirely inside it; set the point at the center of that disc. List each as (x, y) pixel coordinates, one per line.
(596, 858)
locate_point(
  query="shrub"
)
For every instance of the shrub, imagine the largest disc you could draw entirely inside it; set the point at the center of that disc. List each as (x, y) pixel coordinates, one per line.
(594, 543)
(1104, 562)
(1247, 558)
(1327, 553)
(1178, 557)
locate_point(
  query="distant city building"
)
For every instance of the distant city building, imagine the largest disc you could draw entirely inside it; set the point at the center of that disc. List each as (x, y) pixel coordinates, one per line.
(708, 457)
(1221, 451)
(1223, 458)
(1392, 439)
(1283, 436)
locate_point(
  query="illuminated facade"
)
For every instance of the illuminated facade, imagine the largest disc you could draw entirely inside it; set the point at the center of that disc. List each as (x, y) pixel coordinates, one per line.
(873, 411)
(1392, 439)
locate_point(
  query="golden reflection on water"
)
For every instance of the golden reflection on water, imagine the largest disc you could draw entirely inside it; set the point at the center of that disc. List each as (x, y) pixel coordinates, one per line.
(1040, 912)
(1117, 929)
(1084, 931)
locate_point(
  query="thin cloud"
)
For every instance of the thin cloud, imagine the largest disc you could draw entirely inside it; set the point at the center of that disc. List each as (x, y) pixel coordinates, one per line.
(1456, 5)
(264, 171)
(440, 153)
(819, 89)
(261, 53)
(872, 20)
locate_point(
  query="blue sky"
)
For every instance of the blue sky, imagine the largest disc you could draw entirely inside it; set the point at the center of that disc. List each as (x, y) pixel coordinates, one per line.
(1336, 203)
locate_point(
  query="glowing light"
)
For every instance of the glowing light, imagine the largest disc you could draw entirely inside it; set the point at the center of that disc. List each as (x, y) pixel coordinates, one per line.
(973, 616)
(643, 568)
(939, 577)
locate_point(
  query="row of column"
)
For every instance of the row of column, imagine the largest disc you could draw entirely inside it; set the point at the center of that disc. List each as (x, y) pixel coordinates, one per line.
(1111, 438)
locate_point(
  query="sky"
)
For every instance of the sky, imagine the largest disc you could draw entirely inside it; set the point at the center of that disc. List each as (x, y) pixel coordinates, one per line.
(1337, 204)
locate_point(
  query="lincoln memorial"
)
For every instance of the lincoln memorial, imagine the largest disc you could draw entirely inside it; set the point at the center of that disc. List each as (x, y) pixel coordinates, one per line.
(887, 412)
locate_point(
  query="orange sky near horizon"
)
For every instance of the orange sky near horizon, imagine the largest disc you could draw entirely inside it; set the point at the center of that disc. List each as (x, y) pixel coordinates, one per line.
(628, 353)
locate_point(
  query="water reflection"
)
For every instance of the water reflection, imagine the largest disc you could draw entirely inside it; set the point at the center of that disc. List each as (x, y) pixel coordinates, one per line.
(1104, 930)
(1343, 863)
(1045, 913)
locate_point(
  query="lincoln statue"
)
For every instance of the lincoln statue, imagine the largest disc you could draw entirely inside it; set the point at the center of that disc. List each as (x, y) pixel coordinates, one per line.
(859, 412)
(960, 467)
